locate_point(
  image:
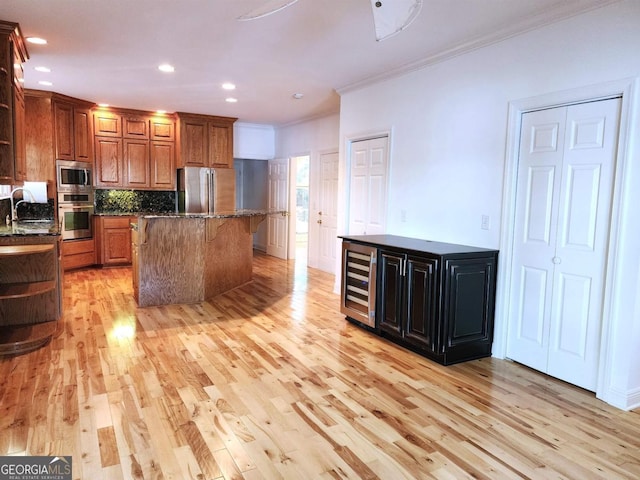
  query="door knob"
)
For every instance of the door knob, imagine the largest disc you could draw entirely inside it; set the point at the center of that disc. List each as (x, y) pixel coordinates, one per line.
(319, 213)
(320, 222)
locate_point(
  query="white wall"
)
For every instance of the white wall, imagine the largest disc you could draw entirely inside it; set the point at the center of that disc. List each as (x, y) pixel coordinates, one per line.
(448, 150)
(253, 140)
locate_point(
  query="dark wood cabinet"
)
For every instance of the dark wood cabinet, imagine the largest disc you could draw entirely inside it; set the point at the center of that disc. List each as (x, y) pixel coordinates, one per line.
(435, 298)
(408, 298)
(113, 240)
(205, 141)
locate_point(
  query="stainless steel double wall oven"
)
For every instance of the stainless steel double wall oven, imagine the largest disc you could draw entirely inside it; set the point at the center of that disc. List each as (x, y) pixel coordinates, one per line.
(75, 199)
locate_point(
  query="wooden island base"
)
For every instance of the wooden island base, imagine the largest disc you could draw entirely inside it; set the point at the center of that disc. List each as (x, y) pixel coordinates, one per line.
(186, 259)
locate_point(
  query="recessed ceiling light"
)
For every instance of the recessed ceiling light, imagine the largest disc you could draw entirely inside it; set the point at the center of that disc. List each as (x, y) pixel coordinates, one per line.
(46, 83)
(228, 86)
(36, 40)
(165, 67)
(42, 69)
(103, 105)
(297, 96)
(231, 100)
(161, 112)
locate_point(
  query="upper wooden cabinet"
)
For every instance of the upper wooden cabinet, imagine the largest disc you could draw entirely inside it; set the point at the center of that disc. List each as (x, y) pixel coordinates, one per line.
(107, 124)
(73, 130)
(134, 149)
(205, 141)
(162, 165)
(163, 128)
(108, 163)
(135, 126)
(13, 54)
(57, 127)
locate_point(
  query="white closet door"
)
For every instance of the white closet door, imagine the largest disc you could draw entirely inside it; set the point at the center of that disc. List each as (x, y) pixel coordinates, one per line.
(565, 178)
(538, 189)
(368, 186)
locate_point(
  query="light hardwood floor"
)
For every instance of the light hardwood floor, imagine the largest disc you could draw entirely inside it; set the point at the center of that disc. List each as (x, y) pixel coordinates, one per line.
(269, 381)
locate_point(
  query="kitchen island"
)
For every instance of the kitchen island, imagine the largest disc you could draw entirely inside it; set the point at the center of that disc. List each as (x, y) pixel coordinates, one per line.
(188, 258)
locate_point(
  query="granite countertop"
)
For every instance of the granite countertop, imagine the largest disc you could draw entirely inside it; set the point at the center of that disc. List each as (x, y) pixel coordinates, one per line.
(30, 227)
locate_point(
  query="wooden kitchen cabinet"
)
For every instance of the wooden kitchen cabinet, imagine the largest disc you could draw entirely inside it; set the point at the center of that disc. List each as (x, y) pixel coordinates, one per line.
(163, 128)
(73, 130)
(20, 173)
(13, 54)
(136, 164)
(113, 240)
(205, 141)
(30, 291)
(162, 165)
(78, 253)
(140, 156)
(108, 162)
(221, 144)
(435, 298)
(107, 123)
(135, 126)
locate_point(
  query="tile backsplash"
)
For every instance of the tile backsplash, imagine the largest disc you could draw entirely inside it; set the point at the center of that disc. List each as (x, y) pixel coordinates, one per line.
(134, 201)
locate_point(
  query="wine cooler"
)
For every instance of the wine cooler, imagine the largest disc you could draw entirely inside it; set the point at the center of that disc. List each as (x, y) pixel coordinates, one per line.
(358, 293)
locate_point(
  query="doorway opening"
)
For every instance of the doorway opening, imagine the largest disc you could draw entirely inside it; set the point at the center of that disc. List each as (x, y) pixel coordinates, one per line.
(302, 209)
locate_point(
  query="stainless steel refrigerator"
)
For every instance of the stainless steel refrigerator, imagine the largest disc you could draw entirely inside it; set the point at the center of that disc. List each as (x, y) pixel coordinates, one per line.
(206, 190)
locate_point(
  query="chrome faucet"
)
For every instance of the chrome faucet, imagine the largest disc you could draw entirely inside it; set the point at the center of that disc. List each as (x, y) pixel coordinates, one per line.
(14, 207)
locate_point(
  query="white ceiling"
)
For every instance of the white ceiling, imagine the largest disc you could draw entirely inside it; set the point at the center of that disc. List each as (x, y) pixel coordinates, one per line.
(109, 50)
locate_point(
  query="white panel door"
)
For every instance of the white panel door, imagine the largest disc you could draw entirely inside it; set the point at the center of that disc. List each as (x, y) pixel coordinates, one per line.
(368, 186)
(565, 179)
(278, 223)
(328, 211)
(538, 186)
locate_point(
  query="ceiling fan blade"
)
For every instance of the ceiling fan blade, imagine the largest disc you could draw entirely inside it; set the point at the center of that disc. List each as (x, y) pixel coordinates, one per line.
(393, 16)
(269, 7)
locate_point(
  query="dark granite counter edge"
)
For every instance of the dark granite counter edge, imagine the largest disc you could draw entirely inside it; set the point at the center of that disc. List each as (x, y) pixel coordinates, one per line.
(415, 244)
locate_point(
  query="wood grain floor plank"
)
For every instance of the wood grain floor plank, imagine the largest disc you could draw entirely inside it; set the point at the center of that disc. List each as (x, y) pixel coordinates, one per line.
(269, 381)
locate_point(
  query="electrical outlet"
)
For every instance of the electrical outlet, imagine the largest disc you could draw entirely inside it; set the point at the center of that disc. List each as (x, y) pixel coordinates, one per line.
(485, 222)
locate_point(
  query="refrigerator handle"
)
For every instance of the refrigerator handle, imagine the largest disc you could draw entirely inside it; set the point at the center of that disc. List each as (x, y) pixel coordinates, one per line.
(210, 186)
